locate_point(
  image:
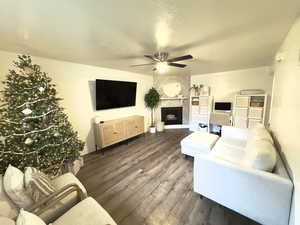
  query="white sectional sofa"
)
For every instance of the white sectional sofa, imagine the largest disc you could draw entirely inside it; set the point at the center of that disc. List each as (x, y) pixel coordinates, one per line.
(244, 172)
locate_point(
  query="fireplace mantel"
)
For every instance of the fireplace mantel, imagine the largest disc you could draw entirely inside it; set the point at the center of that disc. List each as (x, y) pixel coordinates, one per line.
(174, 98)
(182, 99)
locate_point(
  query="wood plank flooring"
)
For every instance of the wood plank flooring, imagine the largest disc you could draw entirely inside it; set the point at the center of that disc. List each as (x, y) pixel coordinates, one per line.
(148, 182)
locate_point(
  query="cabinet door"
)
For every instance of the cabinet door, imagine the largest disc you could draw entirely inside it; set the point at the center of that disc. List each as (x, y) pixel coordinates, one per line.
(256, 113)
(112, 133)
(240, 122)
(242, 101)
(129, 127)
(241, 112)
(253, 122)
(139, 125)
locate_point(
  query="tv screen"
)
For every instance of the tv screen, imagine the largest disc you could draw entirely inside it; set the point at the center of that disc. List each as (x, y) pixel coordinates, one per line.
(223, 106)
(114, 94)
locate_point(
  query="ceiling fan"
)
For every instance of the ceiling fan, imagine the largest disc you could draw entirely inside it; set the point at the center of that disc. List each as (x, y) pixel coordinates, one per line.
(161, 61)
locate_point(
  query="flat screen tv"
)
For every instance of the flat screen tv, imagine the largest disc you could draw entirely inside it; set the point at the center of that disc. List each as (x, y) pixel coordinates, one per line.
(223, 106)
(114, 94)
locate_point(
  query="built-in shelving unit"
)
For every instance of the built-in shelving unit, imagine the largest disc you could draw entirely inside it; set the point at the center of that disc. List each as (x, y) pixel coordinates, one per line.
(249, 110)
(200, 108)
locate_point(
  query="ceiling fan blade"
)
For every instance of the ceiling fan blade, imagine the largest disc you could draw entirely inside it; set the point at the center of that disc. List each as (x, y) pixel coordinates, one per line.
(146, 64)
(177, 65)
(180, 58)
(151, 57)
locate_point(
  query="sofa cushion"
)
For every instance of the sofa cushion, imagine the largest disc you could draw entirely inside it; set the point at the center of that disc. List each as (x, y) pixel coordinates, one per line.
(27, 218)
(95, 215)
(239, 144)
(14, 187)
(229, 153)
(66, 203)
(261, 155)
(38, 184)
(7, 207)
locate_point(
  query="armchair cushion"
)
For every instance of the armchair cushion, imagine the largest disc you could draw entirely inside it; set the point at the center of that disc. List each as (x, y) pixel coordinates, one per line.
(7, 207)
(15, 188)
(65, 204)
(86, 212)
(38, 184)
(27, 218)
(6, 221)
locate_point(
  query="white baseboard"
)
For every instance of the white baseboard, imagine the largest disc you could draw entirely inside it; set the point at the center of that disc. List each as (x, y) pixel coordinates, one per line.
(177, 126)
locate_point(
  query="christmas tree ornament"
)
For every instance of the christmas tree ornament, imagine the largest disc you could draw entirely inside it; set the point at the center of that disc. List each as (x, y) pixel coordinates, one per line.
(28, 70)
(27, 111)
(26, 126)
(2, 139)
(45, 118)
(56, 134)
(41, 89)
(28, 141)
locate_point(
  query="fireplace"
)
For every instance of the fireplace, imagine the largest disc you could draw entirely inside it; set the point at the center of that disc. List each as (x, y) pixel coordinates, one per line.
(171, 115)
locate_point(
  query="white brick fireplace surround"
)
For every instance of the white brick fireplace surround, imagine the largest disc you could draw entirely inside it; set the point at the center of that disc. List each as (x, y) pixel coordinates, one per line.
(174, 90)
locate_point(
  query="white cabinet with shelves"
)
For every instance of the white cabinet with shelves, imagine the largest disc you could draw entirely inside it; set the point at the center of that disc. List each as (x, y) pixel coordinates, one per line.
(200, 108)
(249, 110)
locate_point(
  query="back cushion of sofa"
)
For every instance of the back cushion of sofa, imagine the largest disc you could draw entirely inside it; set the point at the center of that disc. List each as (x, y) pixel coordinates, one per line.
(261, 155)
(260, 133)
(7, 207)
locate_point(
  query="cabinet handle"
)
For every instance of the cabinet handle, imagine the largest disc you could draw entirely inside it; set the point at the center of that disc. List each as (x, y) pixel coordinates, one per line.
(115, 132)
(136, 127)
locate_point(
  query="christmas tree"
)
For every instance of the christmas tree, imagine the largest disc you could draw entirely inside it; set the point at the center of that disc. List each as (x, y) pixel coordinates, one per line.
(34, 130)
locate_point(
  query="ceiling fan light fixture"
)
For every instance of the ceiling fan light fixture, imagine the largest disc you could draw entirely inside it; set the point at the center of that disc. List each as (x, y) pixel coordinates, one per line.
(161, 66)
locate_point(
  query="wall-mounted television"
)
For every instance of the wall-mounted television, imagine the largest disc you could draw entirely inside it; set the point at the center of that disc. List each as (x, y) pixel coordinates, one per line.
(114, 94)
(222, 106)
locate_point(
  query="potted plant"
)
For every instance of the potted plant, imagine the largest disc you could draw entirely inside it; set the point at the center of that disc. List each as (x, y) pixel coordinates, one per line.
(152, 99)
(196, 89)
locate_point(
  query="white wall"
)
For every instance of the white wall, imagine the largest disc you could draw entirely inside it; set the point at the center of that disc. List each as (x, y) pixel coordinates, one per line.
(225, 85)
(285, 110)
(75, 84)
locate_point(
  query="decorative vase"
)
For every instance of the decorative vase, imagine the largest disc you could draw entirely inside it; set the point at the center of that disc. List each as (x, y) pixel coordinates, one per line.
(152, 130)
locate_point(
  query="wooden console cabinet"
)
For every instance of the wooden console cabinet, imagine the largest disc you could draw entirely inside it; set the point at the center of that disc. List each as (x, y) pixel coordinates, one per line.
(114, 131)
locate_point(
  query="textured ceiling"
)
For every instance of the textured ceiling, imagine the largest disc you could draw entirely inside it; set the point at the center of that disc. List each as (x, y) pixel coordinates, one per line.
(222, 35)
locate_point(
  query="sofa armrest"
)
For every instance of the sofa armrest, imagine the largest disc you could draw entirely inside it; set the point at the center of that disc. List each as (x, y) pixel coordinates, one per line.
(234, 132)
(261, 196)
(54, 198)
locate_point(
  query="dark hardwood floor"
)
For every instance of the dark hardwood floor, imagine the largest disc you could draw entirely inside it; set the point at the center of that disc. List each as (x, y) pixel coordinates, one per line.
(148, 181)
